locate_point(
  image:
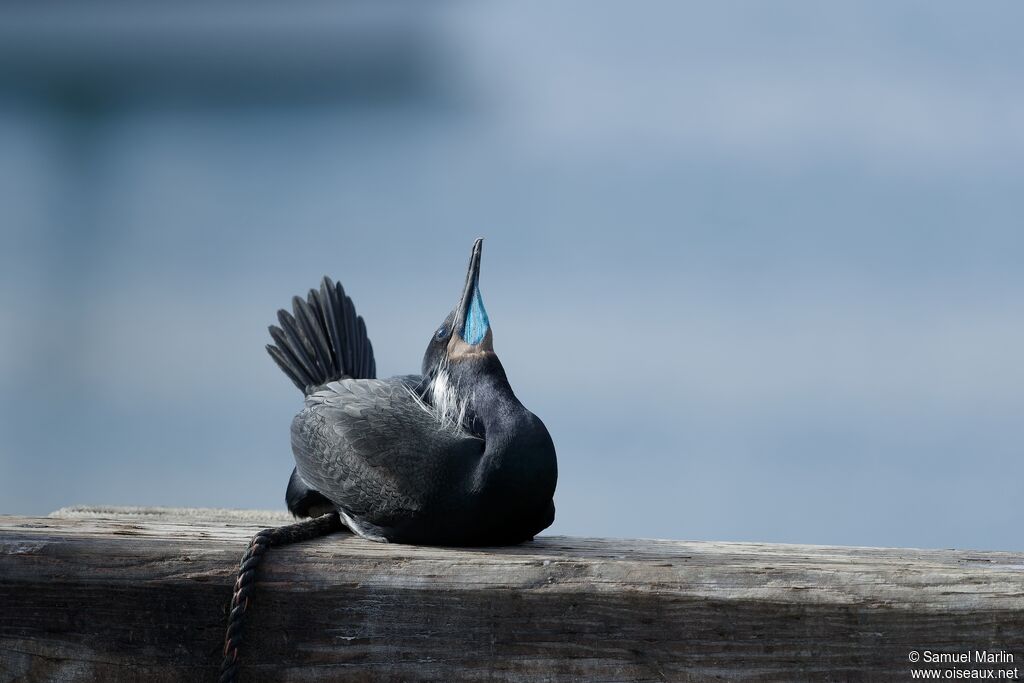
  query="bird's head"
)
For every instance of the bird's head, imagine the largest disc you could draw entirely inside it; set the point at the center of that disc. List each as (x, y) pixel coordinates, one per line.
(461, 351)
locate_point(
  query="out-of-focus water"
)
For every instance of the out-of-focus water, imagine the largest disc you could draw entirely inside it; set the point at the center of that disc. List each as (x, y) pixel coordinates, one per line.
(758, 267)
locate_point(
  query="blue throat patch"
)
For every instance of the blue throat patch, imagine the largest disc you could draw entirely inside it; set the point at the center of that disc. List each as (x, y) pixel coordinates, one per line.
(477, 324)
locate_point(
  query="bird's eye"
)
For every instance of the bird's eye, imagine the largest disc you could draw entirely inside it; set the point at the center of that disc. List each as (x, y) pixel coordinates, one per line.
(442, 332)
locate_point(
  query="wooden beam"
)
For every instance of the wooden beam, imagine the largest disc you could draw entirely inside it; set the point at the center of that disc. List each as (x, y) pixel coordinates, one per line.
(116, 596)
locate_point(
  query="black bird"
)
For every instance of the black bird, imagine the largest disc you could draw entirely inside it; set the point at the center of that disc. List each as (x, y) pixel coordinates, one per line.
(448, 457)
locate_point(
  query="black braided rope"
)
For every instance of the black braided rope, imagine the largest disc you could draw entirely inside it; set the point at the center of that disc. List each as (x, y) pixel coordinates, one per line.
(246, 581)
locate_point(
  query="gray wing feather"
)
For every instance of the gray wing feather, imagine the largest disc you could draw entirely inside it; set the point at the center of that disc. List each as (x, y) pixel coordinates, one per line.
(373, 450)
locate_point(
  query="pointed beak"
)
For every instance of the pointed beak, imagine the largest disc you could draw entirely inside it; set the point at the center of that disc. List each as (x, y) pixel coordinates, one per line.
(471, 321)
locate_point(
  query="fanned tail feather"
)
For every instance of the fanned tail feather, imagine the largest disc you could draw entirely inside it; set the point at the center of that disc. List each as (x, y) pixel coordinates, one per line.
(322, 339)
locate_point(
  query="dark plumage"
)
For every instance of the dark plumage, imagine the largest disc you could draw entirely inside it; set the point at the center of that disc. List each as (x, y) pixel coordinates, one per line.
(446, 457)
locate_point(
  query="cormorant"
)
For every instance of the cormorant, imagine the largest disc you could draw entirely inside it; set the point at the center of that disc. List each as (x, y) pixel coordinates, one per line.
(448, 457)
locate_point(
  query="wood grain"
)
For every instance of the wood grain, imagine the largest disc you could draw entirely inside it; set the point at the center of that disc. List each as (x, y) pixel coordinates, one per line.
(108, 595)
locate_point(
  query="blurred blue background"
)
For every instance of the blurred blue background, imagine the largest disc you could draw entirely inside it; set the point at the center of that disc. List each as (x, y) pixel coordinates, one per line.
(757, 266)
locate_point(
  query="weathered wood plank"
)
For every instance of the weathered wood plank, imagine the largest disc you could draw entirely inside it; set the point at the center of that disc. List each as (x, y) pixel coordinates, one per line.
(118, 597)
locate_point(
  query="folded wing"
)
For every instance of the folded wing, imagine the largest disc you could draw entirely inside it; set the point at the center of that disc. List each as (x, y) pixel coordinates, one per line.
(374, 450)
